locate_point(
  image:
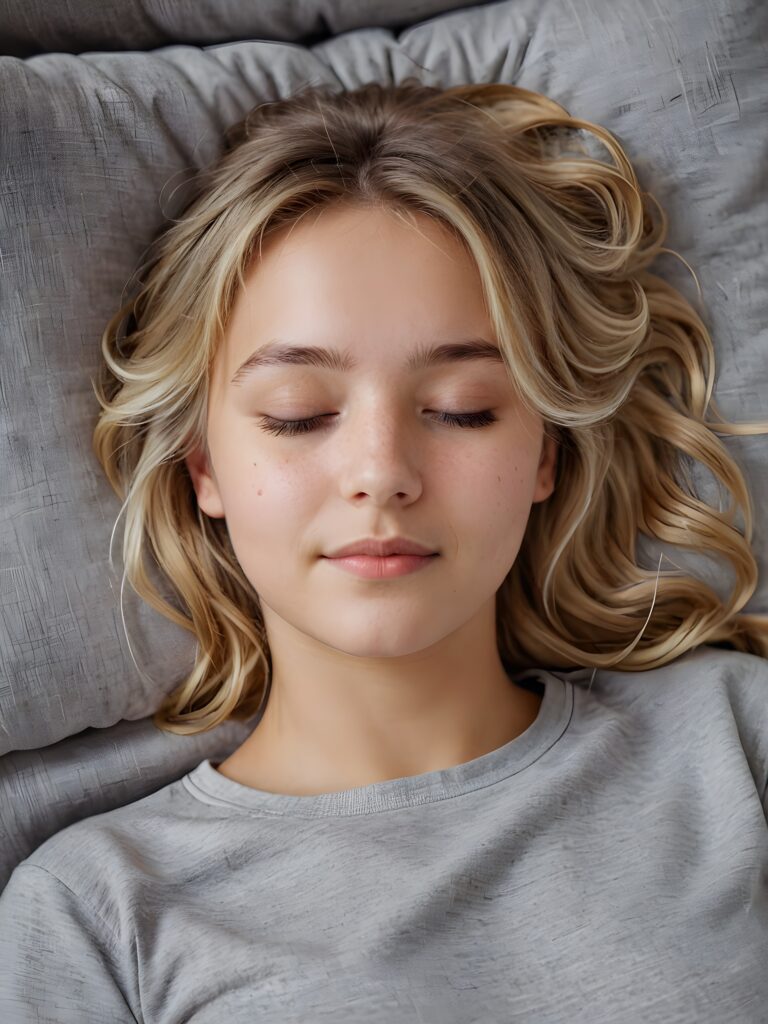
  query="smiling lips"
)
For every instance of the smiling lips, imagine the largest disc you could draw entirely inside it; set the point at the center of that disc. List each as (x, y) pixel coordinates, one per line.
(382, 559)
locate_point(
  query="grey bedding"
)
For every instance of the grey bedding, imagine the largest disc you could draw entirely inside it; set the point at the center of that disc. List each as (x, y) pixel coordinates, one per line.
(96, 149)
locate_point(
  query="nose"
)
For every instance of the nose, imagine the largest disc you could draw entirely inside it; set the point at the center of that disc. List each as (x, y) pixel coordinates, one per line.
(381, 456)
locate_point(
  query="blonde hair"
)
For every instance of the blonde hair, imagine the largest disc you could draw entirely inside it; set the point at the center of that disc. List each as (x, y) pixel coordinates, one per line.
(615, 360)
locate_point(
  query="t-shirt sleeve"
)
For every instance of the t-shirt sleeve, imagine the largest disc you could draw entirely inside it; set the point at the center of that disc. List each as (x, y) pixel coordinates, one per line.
(56, 962)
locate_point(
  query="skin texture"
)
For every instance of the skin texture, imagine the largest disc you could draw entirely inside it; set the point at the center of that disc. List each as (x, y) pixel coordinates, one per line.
(372, 679)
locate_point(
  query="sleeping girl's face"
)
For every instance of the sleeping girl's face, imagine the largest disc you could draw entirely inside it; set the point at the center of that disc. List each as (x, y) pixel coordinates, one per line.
(368, 290)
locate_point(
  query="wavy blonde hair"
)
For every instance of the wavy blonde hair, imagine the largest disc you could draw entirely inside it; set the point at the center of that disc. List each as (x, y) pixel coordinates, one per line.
(616, 362)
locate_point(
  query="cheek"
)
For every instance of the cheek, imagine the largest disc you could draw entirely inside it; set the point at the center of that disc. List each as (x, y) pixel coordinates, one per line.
(269, 495)
(268, 509)
(500, 480)
(492, 503)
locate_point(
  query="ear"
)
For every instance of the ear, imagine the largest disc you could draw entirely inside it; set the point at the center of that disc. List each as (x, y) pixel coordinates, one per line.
(545, 477)
(204, 482)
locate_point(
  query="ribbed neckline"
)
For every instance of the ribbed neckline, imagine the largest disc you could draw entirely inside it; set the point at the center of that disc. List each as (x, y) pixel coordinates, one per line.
(205, 783)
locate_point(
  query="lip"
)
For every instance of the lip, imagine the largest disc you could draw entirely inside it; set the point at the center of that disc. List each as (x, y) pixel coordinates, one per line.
(382, 548)
(373, 567)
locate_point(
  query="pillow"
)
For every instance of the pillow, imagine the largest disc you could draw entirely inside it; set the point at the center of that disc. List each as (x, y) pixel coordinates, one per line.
(37, 26)
(97, 151)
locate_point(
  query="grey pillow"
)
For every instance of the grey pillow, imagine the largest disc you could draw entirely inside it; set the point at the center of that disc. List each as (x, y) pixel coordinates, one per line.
(38, 26)
(96, 150)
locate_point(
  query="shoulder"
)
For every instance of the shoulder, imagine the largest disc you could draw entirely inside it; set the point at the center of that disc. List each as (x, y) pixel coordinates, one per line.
(709, 696)
(741, 678)
(62, 952)
(103, 858)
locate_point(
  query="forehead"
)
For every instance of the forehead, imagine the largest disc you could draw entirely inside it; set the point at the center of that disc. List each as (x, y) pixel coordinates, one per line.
(359, 287)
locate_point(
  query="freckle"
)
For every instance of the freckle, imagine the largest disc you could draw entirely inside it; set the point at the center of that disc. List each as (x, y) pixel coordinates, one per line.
(259, 492)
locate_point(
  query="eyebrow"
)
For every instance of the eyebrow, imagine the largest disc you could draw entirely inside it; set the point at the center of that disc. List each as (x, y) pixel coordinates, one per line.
(282, 353)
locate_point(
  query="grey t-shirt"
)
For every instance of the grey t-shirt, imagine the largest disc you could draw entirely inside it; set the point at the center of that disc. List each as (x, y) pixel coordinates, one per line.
(608, 865)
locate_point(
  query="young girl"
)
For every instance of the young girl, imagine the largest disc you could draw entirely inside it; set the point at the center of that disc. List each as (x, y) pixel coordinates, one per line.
(393, 403)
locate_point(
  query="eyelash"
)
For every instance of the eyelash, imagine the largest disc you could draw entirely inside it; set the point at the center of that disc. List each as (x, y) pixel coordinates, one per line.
(291, 427)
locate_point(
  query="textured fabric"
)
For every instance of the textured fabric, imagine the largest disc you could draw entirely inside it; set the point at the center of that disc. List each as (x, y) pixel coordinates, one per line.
(36, 26)
(45, 790)
(95, 153)
(609, 864)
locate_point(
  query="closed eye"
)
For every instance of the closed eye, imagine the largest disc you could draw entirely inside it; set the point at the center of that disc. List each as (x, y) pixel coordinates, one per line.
(453, 419)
